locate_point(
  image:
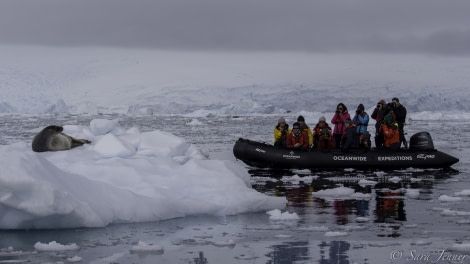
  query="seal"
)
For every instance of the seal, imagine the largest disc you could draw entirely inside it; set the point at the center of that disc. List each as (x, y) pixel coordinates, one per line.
(51, 138)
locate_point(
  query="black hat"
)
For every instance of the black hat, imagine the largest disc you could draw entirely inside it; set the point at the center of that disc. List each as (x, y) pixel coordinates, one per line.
(300, 119)
(296, 125)
(360, 107)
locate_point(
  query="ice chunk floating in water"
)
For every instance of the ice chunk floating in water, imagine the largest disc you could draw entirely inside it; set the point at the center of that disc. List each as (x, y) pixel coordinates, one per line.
(123, 176)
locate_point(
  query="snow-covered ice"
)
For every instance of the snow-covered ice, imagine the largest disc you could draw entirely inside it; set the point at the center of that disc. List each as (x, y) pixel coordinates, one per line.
(54, 246)
(412, 193)
(124, 176)
(35, 80)
(278, 215)
(463, 193)
(144, 247)
(446, 198)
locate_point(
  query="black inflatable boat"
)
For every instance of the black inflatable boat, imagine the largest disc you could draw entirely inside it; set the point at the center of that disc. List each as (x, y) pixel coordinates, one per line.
(421, 154)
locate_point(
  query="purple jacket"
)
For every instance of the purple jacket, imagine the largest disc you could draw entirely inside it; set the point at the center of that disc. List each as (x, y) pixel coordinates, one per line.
(338, 121)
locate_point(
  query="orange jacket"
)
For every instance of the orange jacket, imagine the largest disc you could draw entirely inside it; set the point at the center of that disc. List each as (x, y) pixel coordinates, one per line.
(391, 133)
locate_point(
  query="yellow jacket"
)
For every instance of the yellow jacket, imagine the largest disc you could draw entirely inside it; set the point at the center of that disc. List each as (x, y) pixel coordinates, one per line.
(278, 135)
(309, 133)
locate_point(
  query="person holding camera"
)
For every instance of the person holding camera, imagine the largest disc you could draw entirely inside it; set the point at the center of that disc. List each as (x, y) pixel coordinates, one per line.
(323, 137)
(379, 113)
(280, 133)
(338, 120)
(361, 120)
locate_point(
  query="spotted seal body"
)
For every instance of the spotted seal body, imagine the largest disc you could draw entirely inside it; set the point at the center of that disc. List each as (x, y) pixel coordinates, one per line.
(51, 138)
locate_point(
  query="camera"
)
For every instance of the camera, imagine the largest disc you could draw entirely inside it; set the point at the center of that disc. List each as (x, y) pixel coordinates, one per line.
(358, 111)
(379, 106)
(338, 111)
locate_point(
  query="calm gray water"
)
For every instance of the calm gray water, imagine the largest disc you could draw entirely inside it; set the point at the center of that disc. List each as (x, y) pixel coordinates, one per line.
(394, 222)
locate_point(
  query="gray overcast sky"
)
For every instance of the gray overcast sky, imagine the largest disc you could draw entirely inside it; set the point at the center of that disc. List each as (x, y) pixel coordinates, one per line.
(429, 26)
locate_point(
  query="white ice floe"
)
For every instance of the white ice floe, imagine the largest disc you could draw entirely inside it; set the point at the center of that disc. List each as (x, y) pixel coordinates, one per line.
(364, 182)
(144, 247)
(362, 219)
(315, 228)
(463, 193)
(449, 212)
(54, 246)
(395, 179)
(277, 215)
(335, 192)
(446, 198)
(341, 192)
(74, 259)
(336, 234)
(464, 247)
(122, 176)
(11, 252)
(420, 243)
(226, 243)
(296, 179)
(412, 193)
(195, 122)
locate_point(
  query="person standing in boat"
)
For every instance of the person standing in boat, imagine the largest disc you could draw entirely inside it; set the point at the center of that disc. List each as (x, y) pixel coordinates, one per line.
(305, 128)
(338, 120)
(400, 113)
(391, 133)
(297, 139)
(361, 121)
(379, 112)
(281, 130)
(322, 136)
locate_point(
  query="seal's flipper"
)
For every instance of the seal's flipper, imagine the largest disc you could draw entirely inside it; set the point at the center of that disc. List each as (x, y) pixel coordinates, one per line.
(79, 142)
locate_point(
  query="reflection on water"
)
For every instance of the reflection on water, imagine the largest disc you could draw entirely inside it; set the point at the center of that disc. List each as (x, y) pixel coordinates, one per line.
(390, 206)
(288, 252)
(201, 259)
(382, 198)
(337, 252)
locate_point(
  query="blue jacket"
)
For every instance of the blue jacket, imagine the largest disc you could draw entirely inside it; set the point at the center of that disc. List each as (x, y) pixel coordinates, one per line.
(361, 122)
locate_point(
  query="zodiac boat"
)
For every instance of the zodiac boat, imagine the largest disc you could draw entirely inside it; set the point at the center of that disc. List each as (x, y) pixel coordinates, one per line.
(421, 154)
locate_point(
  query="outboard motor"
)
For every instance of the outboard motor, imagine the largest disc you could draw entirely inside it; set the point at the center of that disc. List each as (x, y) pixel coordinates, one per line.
(421, 141)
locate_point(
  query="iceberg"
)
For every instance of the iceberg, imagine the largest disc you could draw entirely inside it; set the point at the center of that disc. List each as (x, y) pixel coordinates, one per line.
(124, 176)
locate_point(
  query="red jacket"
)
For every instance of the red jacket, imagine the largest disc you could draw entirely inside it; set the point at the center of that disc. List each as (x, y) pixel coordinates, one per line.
(302, 139)
(323, 141)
